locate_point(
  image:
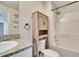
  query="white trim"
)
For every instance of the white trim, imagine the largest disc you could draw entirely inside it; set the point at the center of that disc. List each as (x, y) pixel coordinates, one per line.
(5, 33)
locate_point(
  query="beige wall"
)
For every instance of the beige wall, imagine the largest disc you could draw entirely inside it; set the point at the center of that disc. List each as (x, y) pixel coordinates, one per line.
(26, 10)
(11, 12)
(51, 16)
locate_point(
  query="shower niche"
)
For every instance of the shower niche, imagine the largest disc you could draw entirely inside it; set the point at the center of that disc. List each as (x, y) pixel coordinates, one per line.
(40, 30)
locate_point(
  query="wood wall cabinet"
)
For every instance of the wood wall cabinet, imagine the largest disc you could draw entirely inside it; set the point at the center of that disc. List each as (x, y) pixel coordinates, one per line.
(40, 29)
(42, 19)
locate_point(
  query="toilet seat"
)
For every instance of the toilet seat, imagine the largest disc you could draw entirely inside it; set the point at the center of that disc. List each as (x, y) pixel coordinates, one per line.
(50, 53)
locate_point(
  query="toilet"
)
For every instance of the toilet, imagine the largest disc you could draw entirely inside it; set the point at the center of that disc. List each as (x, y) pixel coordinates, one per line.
(46, 52)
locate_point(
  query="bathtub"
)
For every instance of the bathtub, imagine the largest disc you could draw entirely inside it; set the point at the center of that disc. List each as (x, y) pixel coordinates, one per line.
(65, 52)
(67, 45)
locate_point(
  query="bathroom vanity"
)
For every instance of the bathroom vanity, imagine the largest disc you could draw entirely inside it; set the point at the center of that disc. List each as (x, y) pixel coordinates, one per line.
(25, 53)
(22, 49)
(10, 43)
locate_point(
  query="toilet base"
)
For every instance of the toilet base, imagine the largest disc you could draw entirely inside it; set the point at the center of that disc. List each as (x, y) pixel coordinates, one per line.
(48, 53)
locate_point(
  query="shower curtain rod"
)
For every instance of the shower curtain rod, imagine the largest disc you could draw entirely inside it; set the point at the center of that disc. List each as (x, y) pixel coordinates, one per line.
(65, 5)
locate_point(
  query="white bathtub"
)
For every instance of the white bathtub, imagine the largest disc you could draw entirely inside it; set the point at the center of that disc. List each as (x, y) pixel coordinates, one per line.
(66, 52)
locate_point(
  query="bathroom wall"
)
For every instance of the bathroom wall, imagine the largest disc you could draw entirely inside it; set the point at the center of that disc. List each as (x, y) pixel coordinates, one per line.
(68, 31)
(12, 18)
(26, 10)
(71, 8)
(52, 15)
(67, 27)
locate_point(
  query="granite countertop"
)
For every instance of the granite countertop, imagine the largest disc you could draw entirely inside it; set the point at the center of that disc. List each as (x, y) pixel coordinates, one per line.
(22, 45)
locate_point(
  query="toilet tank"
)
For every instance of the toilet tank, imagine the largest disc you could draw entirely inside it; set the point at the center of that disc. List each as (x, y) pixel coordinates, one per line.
(41, 45)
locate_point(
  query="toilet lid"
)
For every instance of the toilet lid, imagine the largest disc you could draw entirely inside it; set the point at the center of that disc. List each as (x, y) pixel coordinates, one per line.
(50, 53)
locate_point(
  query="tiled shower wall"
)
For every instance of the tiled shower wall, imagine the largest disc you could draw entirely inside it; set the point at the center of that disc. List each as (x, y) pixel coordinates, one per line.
(67, 31)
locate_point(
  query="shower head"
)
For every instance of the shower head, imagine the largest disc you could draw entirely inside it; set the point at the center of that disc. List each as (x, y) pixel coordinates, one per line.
(58, 13)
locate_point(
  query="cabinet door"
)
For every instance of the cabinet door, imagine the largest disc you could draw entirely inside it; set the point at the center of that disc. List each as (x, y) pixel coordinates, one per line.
(42, 22)
(45, 23)
(26, 53)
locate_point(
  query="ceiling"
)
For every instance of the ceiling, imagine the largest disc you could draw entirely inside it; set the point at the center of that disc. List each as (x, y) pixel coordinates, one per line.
(15, 4)
(12, 4)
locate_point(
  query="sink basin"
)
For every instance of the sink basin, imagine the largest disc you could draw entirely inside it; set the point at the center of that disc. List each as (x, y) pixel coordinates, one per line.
(7, 45)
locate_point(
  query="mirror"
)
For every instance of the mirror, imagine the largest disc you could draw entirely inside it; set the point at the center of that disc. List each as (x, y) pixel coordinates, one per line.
(9, 17)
